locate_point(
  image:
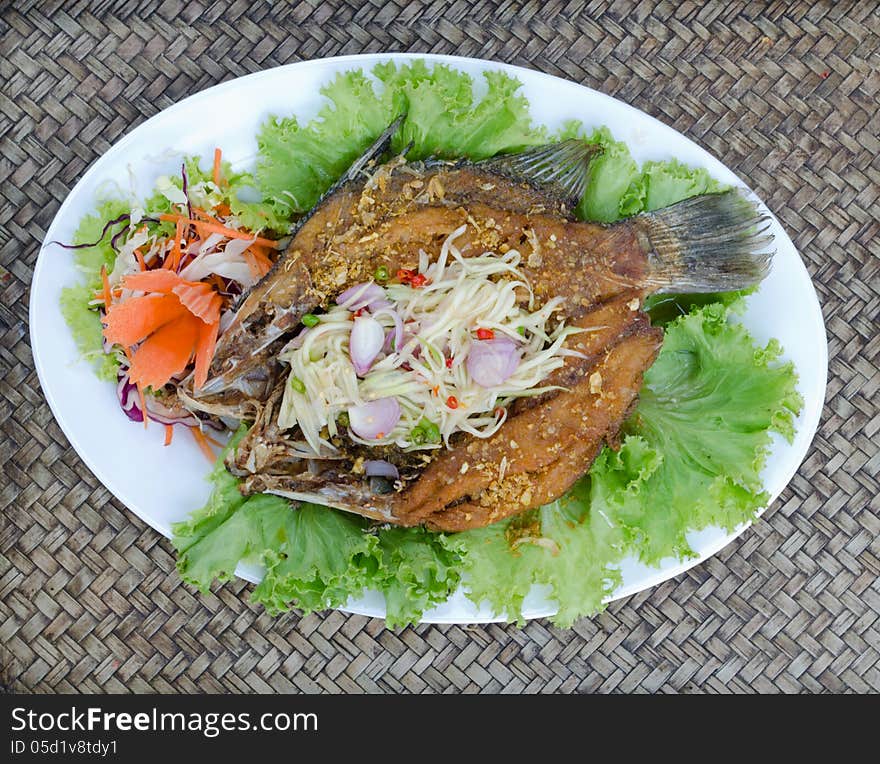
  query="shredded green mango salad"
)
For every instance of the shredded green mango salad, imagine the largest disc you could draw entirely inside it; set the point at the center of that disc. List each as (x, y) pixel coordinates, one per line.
(691, 453)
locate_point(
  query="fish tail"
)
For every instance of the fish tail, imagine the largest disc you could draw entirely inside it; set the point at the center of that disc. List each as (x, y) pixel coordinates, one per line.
(709, 243)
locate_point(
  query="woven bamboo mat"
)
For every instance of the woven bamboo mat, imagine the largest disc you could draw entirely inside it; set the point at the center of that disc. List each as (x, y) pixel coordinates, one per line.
(785, 94)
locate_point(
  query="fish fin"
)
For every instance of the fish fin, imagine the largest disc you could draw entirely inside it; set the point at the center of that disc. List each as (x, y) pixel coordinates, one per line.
(348, 503)
(372, 154)
(354, 497)
(562, 169)
(709, 243)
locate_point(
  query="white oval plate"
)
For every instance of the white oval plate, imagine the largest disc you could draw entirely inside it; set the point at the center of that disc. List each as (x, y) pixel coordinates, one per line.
(162, 485)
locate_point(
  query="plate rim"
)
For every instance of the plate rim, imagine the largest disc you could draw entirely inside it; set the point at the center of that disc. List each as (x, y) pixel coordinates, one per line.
(658, 575)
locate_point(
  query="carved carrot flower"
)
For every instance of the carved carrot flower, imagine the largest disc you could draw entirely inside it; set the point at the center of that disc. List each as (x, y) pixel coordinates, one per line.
(172, 323)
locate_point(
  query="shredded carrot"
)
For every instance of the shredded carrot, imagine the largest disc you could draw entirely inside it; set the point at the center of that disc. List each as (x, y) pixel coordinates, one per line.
(204, 350)
(176, 322)
(217, 155)
(205, 215)
(140, 258)
(212, 441)
(169, 434)
(160, 280)
(200, 300)
(132, 321)
(172, 259)
(207, 226)
(252, 264)
(223, 209)
(108, 299)
(202, 443)
(255, 256)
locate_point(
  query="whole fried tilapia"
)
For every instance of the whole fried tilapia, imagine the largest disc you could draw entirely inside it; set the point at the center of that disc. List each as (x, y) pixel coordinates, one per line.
(385, 215)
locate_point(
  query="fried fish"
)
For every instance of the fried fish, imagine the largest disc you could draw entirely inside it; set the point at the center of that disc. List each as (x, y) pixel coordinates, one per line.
(397, 214)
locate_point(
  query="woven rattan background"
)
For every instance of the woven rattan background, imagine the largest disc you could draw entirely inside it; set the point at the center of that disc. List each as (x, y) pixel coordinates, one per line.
(785, 94)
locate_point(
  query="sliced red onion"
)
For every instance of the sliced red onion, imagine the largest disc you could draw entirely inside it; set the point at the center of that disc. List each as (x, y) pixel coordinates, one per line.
(185, 189)
(365, 343)
(114, 241)
(397, 334)
(367, 295)
(375, 418)
(129, 402)
(380, 468)
(491, 362)
(159, 412)
(127, 394)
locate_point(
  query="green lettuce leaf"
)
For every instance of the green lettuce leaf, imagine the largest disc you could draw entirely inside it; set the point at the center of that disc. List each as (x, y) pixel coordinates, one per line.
(665, 183)
(708, 405)
(421, 570)
(619, 188)
(85, 326)
(567, 546)
(444, 119)
(611, 175)
(225, 498)
(84, 322)
(314, 557)
(297, 163)
(563, 546)
(692, 458)
(666, 308)
(239, 190)
(89, 260)
(317, 559)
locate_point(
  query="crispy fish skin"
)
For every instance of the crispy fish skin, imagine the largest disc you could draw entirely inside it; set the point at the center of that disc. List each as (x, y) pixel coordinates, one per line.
(602, 273)
(537, 455)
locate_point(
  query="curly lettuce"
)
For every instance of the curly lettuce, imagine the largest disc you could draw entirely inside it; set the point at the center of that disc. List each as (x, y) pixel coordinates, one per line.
(691, 458)
(313, 557)
(84, 322)
(297, 163)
